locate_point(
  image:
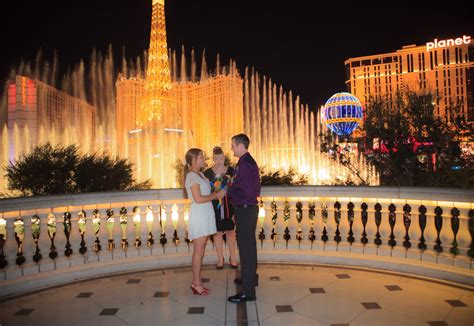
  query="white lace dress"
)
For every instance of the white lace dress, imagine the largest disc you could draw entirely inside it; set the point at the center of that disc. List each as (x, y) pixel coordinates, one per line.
(201, 216)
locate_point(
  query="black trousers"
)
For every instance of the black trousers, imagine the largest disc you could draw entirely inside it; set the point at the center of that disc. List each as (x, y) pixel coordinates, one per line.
(245, 225)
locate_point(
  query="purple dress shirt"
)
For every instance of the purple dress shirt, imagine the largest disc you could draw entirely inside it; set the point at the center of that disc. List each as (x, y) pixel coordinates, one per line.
(246, 183)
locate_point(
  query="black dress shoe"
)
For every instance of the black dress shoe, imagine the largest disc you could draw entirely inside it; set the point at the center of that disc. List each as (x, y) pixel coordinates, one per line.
(239, 298)
(239, 280)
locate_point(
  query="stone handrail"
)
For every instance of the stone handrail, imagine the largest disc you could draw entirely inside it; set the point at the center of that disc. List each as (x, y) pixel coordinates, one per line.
(422, 231)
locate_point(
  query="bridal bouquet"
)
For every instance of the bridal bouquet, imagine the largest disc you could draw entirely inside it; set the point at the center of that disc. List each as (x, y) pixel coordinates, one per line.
(220, 183)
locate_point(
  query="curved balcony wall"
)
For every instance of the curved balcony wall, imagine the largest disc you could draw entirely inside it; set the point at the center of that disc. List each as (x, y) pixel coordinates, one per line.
(421, 231)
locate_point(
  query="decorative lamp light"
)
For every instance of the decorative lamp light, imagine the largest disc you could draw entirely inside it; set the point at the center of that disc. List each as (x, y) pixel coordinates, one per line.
(274, 215)
(36, 231)
(299, 218)
(186, 222)
(174, 216)
(261, 220)
(3, 228)
(136, 224)
(261, 212)
(123, 226)
(82, 230)
(67, 232)
(186, 214)
(324, 217)
(19, 226)
(110, 223)
(3, 238)
(174, 220)
(52, 234)
(286, 218)
(96, 228)
(149, 223)
(311, 215)
(163, 216)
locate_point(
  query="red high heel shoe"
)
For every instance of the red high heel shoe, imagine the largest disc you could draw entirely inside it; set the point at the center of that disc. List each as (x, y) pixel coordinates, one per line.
(232, 265)
(199, 289)
(220, 266)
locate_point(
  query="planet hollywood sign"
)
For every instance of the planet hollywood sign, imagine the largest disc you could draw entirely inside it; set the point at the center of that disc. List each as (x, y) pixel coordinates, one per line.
(465, 39)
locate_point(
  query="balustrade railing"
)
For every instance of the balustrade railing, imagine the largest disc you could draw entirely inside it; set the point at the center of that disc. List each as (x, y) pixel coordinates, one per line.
(42, 237)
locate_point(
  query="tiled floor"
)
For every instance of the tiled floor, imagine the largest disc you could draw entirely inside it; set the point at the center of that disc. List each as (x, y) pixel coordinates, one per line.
(286, 295)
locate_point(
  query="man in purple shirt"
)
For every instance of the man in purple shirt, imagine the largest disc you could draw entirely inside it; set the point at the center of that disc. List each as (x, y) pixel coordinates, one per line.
(243, 195)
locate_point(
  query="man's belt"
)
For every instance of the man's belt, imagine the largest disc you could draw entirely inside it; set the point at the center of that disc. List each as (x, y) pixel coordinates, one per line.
(244, 206)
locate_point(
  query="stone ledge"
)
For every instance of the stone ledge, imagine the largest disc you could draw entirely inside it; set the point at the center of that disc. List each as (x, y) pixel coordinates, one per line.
(441, 273)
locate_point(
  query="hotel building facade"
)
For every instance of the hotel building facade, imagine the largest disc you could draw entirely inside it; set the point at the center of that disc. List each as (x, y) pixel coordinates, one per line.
(38, 112)
(212, 109)
(129, 92)
(444, 67)
(202, 114)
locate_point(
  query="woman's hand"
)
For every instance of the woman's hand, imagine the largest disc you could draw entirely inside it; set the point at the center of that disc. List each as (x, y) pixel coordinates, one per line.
(220, 194)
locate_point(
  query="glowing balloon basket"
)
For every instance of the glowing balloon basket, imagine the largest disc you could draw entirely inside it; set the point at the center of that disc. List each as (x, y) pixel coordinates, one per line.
(342, 113)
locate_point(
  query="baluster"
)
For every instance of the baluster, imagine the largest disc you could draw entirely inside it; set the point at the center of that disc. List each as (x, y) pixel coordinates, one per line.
(311, 215)
(149, 223)
(350, 218)
(123, 227)
(286, 219)
(110, 223)
(96, 229)
(392, 218)
(378, 221)
(407, 223)
(455, 227)
(3, 239)
(52, 234)
(19, 226)
(471, 231)
(364, 218)
(174, 221)
(186, 220)
(163, 239)
(324, 217)
(261, 220)
(67, 233)
(337, 219)
(82, 230)
(36, 231)
(438, 224)
(274, 212)
(137, 226)
(422, 222)
(299, 218)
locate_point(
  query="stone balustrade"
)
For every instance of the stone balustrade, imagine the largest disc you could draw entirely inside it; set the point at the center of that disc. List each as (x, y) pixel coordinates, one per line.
(53, 240)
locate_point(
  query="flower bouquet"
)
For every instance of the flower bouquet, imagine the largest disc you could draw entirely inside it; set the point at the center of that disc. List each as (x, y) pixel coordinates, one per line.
(220, 182)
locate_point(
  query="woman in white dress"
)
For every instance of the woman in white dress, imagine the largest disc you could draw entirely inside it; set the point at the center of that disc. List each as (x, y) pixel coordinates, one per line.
(202, 222)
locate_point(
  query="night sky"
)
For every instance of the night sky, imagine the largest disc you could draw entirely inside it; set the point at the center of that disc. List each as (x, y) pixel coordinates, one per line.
(298, 46)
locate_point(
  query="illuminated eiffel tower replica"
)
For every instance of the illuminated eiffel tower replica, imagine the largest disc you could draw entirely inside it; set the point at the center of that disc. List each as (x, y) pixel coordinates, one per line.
(159, 138)
(160, 117)
(156, 99)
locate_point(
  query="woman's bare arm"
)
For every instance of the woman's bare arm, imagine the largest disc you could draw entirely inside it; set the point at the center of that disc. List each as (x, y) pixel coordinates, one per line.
(198, 198)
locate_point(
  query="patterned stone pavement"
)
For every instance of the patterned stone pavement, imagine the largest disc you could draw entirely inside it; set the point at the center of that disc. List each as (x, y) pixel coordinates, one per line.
(286, 295)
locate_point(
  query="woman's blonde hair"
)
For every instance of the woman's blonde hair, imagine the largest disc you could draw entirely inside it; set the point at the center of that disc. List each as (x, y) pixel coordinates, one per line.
(191, 155)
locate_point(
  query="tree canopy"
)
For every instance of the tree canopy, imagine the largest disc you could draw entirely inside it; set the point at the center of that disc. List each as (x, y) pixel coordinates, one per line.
(63, 169)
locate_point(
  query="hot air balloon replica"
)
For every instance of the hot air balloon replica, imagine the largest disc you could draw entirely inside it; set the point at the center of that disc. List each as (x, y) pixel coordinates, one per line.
(342, 113)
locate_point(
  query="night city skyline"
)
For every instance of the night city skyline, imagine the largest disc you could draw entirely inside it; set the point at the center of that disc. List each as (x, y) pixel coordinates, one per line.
(300, 47)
